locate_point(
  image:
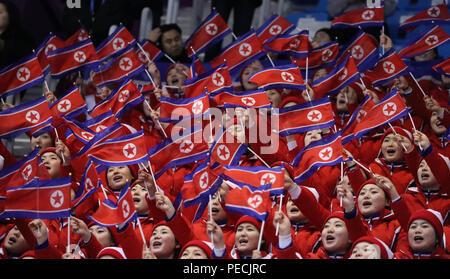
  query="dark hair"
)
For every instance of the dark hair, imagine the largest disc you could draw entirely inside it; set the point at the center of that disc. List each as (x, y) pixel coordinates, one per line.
(14, 24)
(168, 27)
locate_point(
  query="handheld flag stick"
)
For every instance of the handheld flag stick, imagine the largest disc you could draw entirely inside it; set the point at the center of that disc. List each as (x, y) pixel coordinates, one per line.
(421, 90)
(395, 133)
(159, 123)
(414, 127)
(342, 178)
(261, 234)
(142, 233)
(279, 210)
(210, 216)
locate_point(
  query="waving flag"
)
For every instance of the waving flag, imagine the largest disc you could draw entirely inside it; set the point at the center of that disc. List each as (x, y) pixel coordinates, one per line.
(51, 43)
(211, 31)
(77, 130)
(20, 172)
(304, 117)
(240, 53)
(79, 36)
(215, 81)
(256, 177)
(276, 25)
(199, 185)
(390, 108)
(112, 213)
(114, 43)
(89, 183)
(357, 116)
(226, 149)
(295, 45)
(39, 199)
(101, 122)
(121, 68)
(323, 56)
(126, 150)
(324, 152)
(389, 67)
(429, 39)
(254, 202)
(343, 75)
(443, 67)
(24, 117)
(174, 110)
(248, 99)
(435, 15)
(71, 104)
(150, 51)
(20, 75)
(366, 17)
(364, 49)
(121, 100)
(196, 68)
(178, 150)
(286, 76)
(69, 59)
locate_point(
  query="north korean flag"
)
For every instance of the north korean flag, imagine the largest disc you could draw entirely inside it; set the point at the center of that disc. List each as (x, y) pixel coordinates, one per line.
(428, 39)
(101, 122)
(114, 43)
(241, 52)
(78, 130)
(226, 149)
(256, 177)
(196, 68)
(366, 17)
(112, 213)
(323, 56)
(126, 150)
(122, 99)
(211, 31)
(295, 45)
(20, 75)
(340, 77)
(275, 26)
(89, 183)
(79, 36)
(24, 117)
(286, 76)
(51, 43)
(304, 117)
(443, 67)
(251, 201)
(175, 110)
(357, 116)
(180, 149)
(390, 108)
(435, 15)
(324, 152)
(389, 67)
(21, 172)
(247, 99)
(77, 57)
(215, 81)
(364, 49)
(121, 68)
(71, 104)
(39, 199)
(151, 51)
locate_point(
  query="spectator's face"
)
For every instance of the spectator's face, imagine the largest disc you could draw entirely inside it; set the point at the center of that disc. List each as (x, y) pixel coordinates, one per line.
(193, 252)
(293, 213)
(246, 238)
(42, 142)
(248, 71)
(312, 135)
(427, 56)
(176, 76)
(15, 244)
(4, 17)
(365, 250)
(319, 74)
(117, 177)
(421, 236)
(172, 43)
(335, 236)
(425, 176)
(162, 242)
(274, 97)
(218, 214)
(371, 200)
(391, 149)
(321, 38)
(52, 163)
(138, 193)
(103, 235)
(436, 124)
(346, 96)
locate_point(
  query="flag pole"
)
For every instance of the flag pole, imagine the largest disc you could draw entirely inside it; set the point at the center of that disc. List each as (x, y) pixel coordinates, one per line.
(270, 59)
(414, 127)
(421, 90)
(62, 154)
(210, 216)
(261, 234)
(159, 123)
(342, 178)
(279, 210)
(151, 172)
(142, 233)
(395, 133)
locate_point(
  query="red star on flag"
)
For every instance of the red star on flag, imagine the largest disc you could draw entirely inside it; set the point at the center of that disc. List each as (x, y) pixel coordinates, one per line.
(57, 199)
(389, 109)
(223, 152)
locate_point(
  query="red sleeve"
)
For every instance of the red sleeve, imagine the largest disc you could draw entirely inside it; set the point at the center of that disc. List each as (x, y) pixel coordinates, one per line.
(92, 247)
(402, 212)
(48, 252)
(413, 159)
(157, 214)
(131, 244)
(22, 225)
(312, 210)
(181, 228)
(440, 169)
(290, 252)
(355, 226)
(356, 178)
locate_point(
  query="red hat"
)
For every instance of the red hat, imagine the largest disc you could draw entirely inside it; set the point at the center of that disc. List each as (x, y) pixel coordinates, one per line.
(29, 253)
(116, 252)
(207, 247)
(50, 149)
(370, 181)
(398, 130)
(248, 219)
(358, 87)
(288, 99)
(385, 252)
(432, 216)
(335, 214)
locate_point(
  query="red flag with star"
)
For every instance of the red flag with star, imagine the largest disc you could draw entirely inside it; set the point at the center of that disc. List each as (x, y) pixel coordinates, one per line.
(364, 50)
(276, 25)
(51, 43)
(254, 202)
(430, 38)
(387, 68)
(434, 15)
(249, 99)
(295, 45)
(150, 51)
(443, 67)
(286, 76)
(366, 17)
(69, 105)
(214, 81)
(322, 56)
(227, 149)
(174, 110)
(114, 43)
(79, 36)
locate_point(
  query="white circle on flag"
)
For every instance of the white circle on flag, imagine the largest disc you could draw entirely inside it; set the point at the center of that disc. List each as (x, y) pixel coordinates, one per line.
(26, 172)
(118, 43)
(33, 116)
(275, 30)
(344, 74)
(197, 108)
(357, 52)
(125, 64)
(129, 150)
(314, 115)
(186, 146)
(389, 109)
(245, 49)
(143, 56)
(57, 199)
(124, 95)
(64, 106)
(268, 178)
(287, 77)
(125, 209)
(249, 101)
(326, 153)
(361, 113)
(211, 29)
(255, 201)
(88, 185)
(223, 152)
(294, 44)
(49, 47)
(218, 79)
(326, 54)
(204, 180)
(23, 74)
(368, 15)
(389, 67)
(83, 36)
(431, 40)
(434, 11)
(79, 56)
(100, 128)
(86, 135)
